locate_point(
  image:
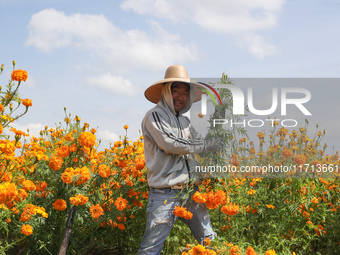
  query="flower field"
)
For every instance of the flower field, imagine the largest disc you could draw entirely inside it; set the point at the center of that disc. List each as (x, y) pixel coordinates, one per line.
(60, 194)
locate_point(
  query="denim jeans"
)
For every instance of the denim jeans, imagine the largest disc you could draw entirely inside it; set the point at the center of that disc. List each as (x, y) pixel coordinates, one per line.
(160, 219)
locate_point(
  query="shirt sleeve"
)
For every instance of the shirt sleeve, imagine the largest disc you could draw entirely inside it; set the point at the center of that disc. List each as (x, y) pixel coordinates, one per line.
(162, 134)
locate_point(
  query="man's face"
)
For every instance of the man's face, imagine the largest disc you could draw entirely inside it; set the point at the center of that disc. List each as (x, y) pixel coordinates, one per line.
(180, 94)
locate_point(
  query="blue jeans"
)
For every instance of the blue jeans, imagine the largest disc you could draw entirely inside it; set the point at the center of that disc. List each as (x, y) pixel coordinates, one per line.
(160, 219)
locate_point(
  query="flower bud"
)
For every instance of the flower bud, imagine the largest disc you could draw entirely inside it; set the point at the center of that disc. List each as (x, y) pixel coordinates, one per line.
(2, 67)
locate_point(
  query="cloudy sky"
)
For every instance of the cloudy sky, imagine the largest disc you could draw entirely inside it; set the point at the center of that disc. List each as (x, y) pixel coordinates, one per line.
(96, 58)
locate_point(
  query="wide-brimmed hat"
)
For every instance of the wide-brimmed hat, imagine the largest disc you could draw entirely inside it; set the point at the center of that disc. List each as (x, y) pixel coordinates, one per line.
(174, 73)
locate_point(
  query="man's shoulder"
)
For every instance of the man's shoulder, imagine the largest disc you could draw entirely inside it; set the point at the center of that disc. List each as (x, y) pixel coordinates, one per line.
(156, 110)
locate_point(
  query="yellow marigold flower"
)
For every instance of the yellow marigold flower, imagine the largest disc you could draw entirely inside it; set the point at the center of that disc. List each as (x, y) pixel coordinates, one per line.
(19, 75)
(7, 147)
(27, 102)
(87, 139)
(60, 205)
(96, 211)
(26, 229)
(56, 163)
(251, 192)
(261, 135)
(121, 203)
(270, 206)
(271, 252)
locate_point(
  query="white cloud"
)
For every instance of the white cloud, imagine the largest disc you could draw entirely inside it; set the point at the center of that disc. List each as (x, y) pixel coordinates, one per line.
(51, 29)
(106, 137)
(113, 84)
(237, 18)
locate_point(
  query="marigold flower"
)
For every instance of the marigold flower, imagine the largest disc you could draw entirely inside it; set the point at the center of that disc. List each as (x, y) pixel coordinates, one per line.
(63, 151)
(182, 212)
(79, 200)
(287, 153)
(199, 197)
(67, 175)
(126, 126)
(96, 211)
(27, 102)
(26, 229)
(7, 147)
(250, 251)
(251, 192)
(19, 75)
(28, 185)
(230, 209)
(121, 226)
(300, 159)
(87, 139)
(60, 205)
(55, 163)
(121, 203)
(271, 252)
(104, 171)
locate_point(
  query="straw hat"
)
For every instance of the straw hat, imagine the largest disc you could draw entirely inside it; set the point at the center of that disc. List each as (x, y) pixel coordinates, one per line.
(174, 73)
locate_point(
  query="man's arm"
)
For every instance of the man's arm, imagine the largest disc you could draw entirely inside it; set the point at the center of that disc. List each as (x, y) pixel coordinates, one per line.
(162, 134)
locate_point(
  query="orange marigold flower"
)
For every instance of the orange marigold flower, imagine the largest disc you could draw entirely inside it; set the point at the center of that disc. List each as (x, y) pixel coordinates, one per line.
(140, 162)
(63, 151)
(7, 147)
(300, 159)
(230, 209)
(79, 200)
(67, 175)
(83, 174)
(26, 229)
(28, 185)
(19, 75)
(270, 206)
(96, 211)
(121, 226)
(251, 192)
(27, 102)
(199, 198)
(104, 171)
(126, 126)
(60, 205)
(182, 212)
(121, 203)
(250, 251)
(286, 152)
(56, 163)
(87, 139)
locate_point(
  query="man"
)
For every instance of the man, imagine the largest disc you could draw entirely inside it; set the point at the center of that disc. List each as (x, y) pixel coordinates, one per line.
(170, 143)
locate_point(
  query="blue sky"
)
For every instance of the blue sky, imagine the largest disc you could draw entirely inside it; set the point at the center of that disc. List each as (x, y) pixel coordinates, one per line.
(96, 58)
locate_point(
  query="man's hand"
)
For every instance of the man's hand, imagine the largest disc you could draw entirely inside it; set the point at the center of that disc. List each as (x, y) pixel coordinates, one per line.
(213, 144)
